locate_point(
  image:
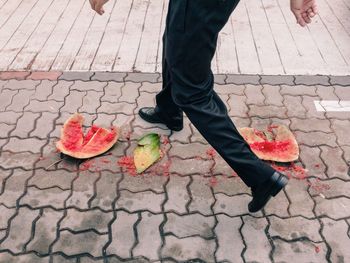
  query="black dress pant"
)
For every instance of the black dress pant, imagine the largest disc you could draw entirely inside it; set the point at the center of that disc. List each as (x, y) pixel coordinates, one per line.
(189, 44)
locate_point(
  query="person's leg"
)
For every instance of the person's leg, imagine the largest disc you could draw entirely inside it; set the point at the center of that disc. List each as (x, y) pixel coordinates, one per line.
(192, 34)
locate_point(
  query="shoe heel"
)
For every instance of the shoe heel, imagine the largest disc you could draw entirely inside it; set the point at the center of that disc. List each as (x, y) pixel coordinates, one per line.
(281, 183)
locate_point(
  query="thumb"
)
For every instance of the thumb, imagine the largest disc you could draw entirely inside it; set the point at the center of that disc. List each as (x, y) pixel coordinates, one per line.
(299, 17)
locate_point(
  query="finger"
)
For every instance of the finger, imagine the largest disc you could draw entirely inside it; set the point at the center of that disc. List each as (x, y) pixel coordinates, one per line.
(92, 3)
(299, 17)
(99, 8)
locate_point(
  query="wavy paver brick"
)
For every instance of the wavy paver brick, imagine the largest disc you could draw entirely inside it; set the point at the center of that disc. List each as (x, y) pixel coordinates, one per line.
(178, 196)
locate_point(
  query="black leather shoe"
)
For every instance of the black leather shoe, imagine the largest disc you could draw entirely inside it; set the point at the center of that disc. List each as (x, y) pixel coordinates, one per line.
(263, 193)
(150, 115)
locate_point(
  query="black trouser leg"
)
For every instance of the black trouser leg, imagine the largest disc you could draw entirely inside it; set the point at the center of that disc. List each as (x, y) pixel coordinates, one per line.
(193, 27)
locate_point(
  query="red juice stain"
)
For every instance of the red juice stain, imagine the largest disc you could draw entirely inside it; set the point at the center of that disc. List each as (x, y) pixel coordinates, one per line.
(105, 160)
(86, 165)
(234, 174)
(317, 249)
(317, 165)
(128, 165)
(213, 182)
(166, 168)
(211, 153)
(165, 140)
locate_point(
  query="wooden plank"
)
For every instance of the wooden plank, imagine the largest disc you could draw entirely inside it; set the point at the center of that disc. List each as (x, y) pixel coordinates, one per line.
(48, 53)
(265, 43)
(248, 59)
(15, 20)
(132, 37)
(20, 37)
(39, 37)
(74, 40)
(160, 42)
(146, 58)
(7, 9)
(91, 42)
(226, 51)
(113, 36)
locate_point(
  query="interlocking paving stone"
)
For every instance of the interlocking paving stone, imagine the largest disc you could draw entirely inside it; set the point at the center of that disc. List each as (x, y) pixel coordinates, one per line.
(301, 251)
(71, 75)
(87, 242)
(237, 106)
(298, 90)
(116, 108)
(295, 228)
(340, 80)
(190, 166)
(40, 106)
(326, 92)
(7, 257)
(294, 106)
(230, 89)
(130, 93)
(232, 205)
(60, 90)
(272, 95)
(336, 208)
(32, 145)
(311, 80)
(146, 200)
(151, 87)
(123, 234)
(267, 111)
(310, 157)
(20, 100)
(63, 259)
(186, 151)
(9, 160)
(189, 248)
(3, 177)
(43, 125)
(278, 205)
(39, 75)
(19, 75)
(21, 85)
(257, 244)
(330, 188)
(148, 229)
(230, 186)
(91, 101)
(229, 239)
(243, 79)
(43, 90)
(73, 102)
(311, 111)
(45, 231)
(5, 215)
(141, 77)
(336, 166)
(178, 196)
(310, 124)
(46, 179)
(316, 138)
(5, 129)
(342, 92)
(86, 220)
(338, 242)
(277, 80)
(142, 183)
(182, 226)
(341, 131)
(201, 196)
(6, 98)
(20, 230)
(88, 86)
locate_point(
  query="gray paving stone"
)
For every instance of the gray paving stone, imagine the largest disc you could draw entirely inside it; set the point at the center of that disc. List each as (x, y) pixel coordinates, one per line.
(177, 193)
(148, 229)
(88, 86)
(46, 179)
(78, 75)
(190, 166)
(43, 90)
(278, 205)
(336, 208)
(188, 249)
(140, 201)
(232, 205)
(123, 237)
(20, 100)
(220, 78)
(259, 123)
(53, 197)
(151, 87)
(342, 92)
(315, 138)
(336, 166)
(141, 77)
(298, 90)
(25, 124)
(231, 186)
(6, 98)
(112, 92)
(310, 124)
(73, 102)
(143, 183)
(8, 258)
(5, 129)
(86, 220)
(44, 125)
(237, 106)
(330, 188)
(60, 90)
(109, 76)
(21, 84)
(272, 95)
(183, 226)
(45, 231)
(230, 243)
(335, 233)
(243, 79)
(130, 92)
(267, 111)
(186, 151)
(311, 111)
(326, 93)
(340, 80)
(32, 145)
(9, 117)
(201, 196)
(91, 101)
(277, 79)
(183, 136)
(230, 89)
(41, 106)
(3, 177)
(23, 160)
(310, 157)
(294, 106)
(5, 215)
(73, 244)
(311, 80)
(222, 168)
(301, 251)
(340, 128)
(254, 94)
(295, 228)
(62, 259)
(257, 244)
(20, 230)
(117, 108)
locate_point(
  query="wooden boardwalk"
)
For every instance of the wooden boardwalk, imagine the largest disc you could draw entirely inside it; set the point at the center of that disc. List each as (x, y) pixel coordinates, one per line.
(261, 38)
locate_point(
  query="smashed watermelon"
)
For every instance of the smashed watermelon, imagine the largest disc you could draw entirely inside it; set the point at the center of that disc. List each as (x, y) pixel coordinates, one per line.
(276, 143)
(147, 152)
(74, 143)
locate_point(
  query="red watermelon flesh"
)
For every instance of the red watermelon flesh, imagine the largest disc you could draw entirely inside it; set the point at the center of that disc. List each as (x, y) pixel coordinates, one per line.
(96, 141)
(277, 143)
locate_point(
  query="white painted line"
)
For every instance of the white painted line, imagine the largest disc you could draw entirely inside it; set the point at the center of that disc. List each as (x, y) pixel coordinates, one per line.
(332, 105)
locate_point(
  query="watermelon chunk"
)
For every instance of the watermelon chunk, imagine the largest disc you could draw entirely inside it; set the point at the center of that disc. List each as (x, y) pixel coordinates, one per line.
(147, 152)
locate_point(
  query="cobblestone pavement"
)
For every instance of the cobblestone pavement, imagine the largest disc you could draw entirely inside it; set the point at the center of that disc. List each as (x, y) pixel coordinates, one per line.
(74, 212)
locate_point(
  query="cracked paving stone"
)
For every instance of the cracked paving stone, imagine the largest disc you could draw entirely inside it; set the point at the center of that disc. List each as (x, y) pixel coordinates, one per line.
(91, 102)
(44, 125)
(5, 215)
(146, 200)
(32, 145)
(295, 228)
(189, 225)
(53, 197)
(310, 157)
(14, 187)
(300, 201)
(177, 193)
(341, 129)
(46, 179)
(336, 208)
(336, 166)
(231, 186)
(60, 91)
(230, 243)
(117, 107)
(148, 229)
(8, 258)
(330, 188)
(254, 94)
(335, 233)
(87, 242)
(300, 251)
(232, 205)
(87, 86)
(237, 106)
(190, 248)
(24, 160)
(202, 196)
(315, 138)
(106, 190)
(123, 237)
(86, 220)
(267, 111)
(272, 95)
(310, 124)
(278, 205)
(143, 183)
(190, 166)
(20, 230)
(83, 190)
(258, 246)
(45, 231)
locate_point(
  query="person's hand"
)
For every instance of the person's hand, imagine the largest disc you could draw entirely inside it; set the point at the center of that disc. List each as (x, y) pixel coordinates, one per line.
(97, 5)
(303, 10)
